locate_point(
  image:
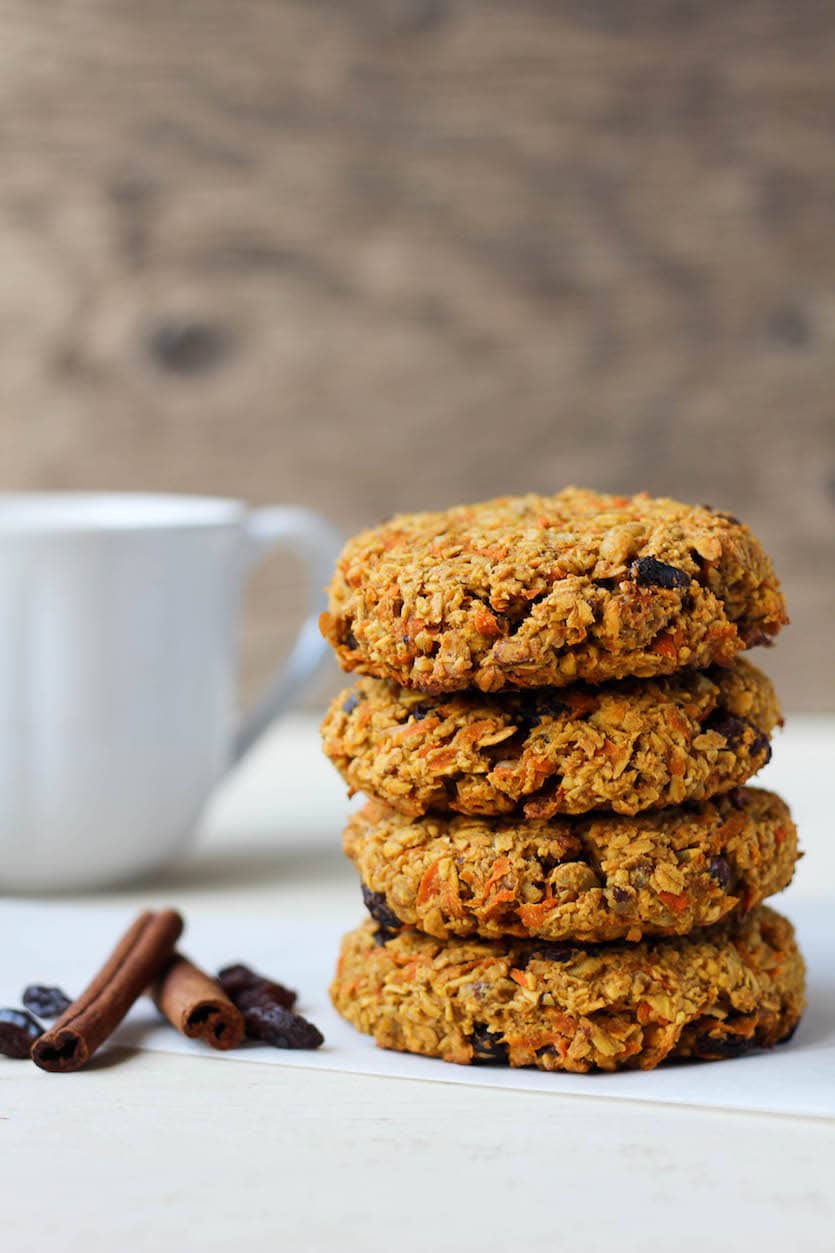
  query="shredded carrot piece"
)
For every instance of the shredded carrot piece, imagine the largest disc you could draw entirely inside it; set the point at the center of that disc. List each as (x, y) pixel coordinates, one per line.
(674, 902)
(428, 882)
(532, 915)
(500, 869)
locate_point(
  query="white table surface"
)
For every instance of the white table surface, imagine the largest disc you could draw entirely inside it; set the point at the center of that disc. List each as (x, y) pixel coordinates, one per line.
(156, 1151)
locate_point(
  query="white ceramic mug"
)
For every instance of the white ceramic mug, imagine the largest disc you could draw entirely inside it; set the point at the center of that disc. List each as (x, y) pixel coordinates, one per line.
(119, 618)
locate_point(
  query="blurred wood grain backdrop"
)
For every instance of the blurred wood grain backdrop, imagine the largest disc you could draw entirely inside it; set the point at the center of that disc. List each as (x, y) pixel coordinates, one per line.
(389, 254)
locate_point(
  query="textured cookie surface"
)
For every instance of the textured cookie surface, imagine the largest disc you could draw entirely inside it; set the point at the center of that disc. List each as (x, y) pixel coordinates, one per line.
(591, 879)
(718, 993)
(547, 590)
(626, 746)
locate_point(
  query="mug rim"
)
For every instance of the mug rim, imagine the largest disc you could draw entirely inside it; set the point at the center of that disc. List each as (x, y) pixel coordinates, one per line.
(113, 512)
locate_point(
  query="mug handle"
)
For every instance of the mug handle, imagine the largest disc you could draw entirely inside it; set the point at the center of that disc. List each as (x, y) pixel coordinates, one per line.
(317, 544)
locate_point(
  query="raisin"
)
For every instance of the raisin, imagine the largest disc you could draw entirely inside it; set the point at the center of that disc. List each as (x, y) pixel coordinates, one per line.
(719, 870)
(734, 729)
(350, 703)
(720, 513)
(711, 1047)
(536, 706)
(761, 745)
(551, 706)
(379, 910)
(488, 1047)
(621, 895)
(650, 572)
(46, 1002)
(273, 1024)
(421, 710)
(239, 980)
(266, 1008)
(18, 1032)
(731, 727)
(549, 951)
(351, 640)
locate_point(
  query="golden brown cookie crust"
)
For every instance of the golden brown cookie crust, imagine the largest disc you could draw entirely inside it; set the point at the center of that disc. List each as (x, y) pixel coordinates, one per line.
(715, 994)
(533, 590)
(628, 746)
(589, 879)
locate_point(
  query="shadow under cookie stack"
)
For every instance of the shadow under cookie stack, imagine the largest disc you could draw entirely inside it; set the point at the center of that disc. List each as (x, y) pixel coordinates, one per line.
(561, 863)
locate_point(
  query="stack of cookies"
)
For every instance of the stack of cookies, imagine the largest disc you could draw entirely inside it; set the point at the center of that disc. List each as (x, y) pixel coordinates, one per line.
(561, 863)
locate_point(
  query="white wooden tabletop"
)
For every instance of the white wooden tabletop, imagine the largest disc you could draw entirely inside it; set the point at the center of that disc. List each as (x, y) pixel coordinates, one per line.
(150, 1151)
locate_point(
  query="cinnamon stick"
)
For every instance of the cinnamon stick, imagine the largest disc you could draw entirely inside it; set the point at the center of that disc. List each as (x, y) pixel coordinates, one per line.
(134, 963)
(196, 1004)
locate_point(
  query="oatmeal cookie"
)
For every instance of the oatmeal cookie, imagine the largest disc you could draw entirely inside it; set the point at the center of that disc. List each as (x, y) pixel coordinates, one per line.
(533, 591)
(587, 879)
(628, 746)
(717, 993)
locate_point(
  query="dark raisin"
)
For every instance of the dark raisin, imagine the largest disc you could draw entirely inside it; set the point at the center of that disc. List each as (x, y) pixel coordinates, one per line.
(551, 951)
(607, 585)
(488, 1046)
(46, 1002)
(421, 710)
(550, 706)
(533, 707)
(731, 727)
(18, 1032)
(709, 1046)
(239, 980)
(761, 746)
(351, 640)
(350, 703)
(650, 572)
(379, 910)
(280, 1027)
(719, 870)
(266, 1007)
(620, 894)
(382, 936)
(720, 513)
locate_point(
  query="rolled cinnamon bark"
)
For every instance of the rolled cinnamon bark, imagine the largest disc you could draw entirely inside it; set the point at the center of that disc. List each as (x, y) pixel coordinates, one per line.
(135, 962)
(196, 1004)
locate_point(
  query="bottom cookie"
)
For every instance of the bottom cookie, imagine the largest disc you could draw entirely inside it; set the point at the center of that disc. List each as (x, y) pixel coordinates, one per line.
(717, 993)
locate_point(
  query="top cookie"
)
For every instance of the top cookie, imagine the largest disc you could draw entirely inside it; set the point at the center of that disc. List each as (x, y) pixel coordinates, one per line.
(532, 590)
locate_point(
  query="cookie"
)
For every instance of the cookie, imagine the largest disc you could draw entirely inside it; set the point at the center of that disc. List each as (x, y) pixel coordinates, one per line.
(625, 746)
(717, 993)
(532, 591)
(591, 879)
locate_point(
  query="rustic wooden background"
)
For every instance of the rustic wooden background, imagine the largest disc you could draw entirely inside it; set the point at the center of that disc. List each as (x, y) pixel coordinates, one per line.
(381, 254)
